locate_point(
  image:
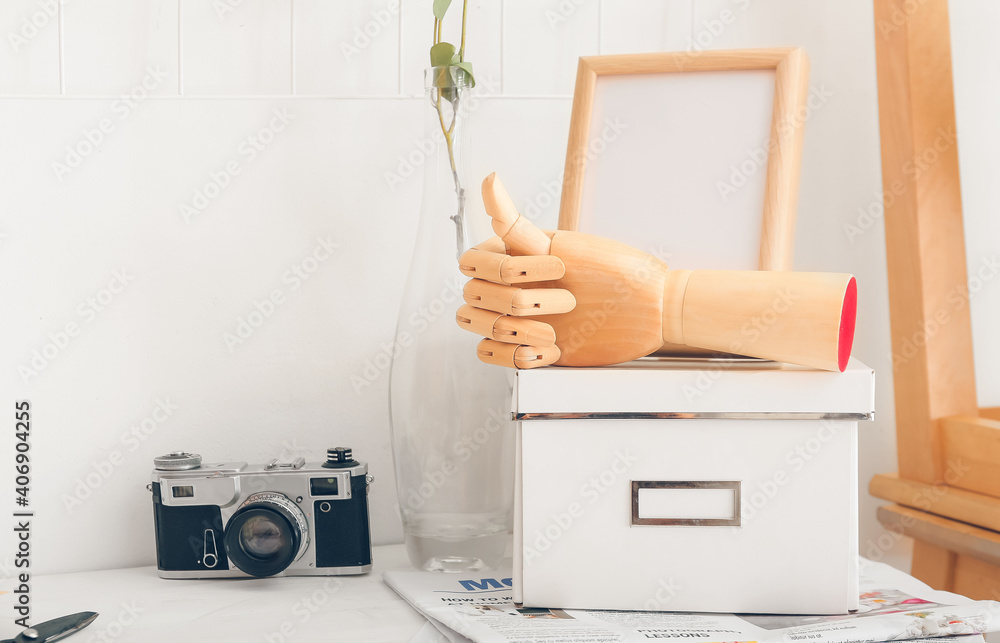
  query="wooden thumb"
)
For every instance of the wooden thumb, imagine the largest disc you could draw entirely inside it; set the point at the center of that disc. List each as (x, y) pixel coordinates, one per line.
(521, 235)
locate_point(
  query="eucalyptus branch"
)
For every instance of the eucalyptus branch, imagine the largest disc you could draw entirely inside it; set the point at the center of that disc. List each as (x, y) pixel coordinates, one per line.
(444, 56)
(461, 48)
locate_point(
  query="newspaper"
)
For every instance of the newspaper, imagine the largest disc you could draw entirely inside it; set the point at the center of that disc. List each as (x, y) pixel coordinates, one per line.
(478, 607)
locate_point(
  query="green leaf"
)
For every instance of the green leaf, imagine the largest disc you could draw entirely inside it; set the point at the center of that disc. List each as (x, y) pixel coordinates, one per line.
(467, 67)
(441, 8)
(441, 54)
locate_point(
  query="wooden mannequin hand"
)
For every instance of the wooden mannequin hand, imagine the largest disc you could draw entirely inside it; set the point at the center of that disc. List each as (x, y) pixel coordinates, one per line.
(560, 297)
(575, 299)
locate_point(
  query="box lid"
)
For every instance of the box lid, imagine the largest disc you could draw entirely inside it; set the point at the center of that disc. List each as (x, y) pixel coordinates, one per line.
(695, 388)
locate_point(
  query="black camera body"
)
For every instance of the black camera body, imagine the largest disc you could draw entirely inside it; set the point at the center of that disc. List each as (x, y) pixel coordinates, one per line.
(232, 519)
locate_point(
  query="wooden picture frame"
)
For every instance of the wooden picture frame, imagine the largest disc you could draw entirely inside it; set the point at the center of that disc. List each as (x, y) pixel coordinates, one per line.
(787, 69)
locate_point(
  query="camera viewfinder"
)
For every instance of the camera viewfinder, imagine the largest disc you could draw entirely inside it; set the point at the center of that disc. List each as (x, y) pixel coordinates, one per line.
(323, 486)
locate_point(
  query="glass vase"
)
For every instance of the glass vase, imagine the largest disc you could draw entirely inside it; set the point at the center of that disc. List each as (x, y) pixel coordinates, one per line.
(452, 438)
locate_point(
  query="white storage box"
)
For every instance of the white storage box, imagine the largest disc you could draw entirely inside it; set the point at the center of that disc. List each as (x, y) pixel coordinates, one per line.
(689, 485)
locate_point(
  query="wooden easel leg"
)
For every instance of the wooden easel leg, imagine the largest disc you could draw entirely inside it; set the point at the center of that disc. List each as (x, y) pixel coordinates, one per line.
(934, 565)
(977, 579)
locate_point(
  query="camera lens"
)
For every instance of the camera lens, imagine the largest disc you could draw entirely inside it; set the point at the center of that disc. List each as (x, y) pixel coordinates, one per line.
(266, 534)
(261, 537)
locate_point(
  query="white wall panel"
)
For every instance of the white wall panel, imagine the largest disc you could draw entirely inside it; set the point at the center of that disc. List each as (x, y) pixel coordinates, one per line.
(976, 63)
(236, 47)
(346, 48)
(543, 40)
(29, 53)
(111, 46)
(125, 169)
(285, 387)
(632, 26)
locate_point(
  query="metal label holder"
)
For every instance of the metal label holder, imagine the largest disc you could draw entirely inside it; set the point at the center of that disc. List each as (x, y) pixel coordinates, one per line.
(733, 485)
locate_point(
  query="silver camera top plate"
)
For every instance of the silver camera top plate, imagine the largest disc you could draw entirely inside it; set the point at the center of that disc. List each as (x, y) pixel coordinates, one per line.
(224, 483)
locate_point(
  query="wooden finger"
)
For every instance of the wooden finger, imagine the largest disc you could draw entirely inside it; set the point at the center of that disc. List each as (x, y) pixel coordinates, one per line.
(520, 234)
(514, 356)
(504, 269)
(493, 244)
(502, 328)
(519, 302)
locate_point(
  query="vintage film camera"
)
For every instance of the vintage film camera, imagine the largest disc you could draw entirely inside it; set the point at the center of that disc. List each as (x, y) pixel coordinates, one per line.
(232, 519)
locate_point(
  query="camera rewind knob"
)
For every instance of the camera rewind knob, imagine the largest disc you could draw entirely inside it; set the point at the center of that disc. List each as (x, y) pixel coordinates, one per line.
(177, 461)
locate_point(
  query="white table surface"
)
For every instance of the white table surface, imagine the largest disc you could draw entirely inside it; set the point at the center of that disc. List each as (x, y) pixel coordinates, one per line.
(137, 605)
